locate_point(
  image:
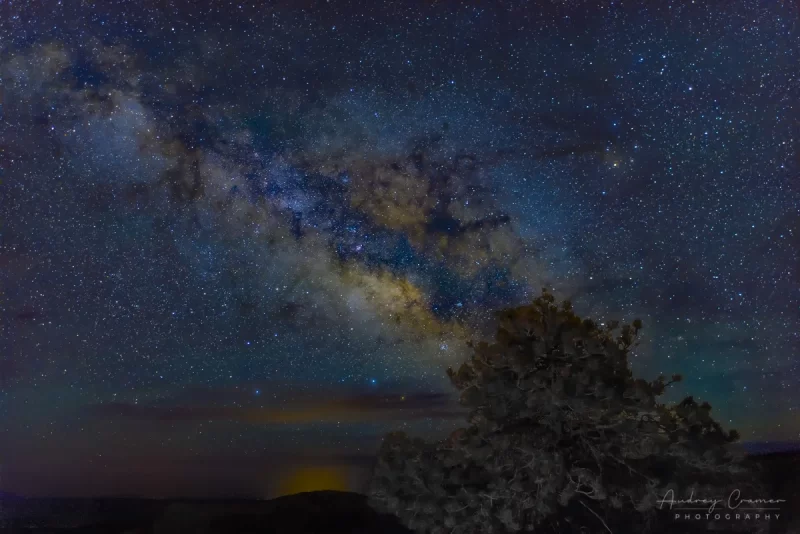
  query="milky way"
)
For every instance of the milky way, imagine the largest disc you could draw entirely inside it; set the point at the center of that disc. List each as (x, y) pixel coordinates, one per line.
(241, 240)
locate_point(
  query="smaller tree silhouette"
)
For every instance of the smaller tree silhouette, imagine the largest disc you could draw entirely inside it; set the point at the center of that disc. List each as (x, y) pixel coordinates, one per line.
(561, 438)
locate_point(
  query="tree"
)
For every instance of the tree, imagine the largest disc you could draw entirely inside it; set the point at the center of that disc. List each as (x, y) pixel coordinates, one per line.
(560, 438)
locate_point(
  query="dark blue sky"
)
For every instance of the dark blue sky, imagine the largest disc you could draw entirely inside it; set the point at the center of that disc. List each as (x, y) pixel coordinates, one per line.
(238, 240)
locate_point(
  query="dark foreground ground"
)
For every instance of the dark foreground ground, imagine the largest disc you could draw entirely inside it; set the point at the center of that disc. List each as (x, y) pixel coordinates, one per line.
(316, 512)
(781, 475)
(321, 512)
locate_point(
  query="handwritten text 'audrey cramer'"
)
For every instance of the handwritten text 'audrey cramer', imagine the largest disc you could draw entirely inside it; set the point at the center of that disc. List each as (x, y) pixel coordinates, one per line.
(734, 507)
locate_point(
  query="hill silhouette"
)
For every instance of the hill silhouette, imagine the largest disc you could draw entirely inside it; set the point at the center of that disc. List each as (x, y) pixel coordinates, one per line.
(317, 512)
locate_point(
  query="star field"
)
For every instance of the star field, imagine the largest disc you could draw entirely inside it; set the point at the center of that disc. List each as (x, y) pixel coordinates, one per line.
(238, 239)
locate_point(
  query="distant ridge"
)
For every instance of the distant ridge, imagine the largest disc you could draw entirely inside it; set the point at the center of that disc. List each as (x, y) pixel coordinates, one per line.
(769, 447)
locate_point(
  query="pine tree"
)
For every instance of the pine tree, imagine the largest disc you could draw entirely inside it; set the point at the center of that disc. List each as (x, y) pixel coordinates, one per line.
(560, 438)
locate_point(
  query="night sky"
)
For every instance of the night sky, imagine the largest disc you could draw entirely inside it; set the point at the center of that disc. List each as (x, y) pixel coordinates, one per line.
(240, 242)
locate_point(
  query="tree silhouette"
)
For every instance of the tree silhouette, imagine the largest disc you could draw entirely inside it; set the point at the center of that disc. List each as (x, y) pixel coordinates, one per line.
(560, 438)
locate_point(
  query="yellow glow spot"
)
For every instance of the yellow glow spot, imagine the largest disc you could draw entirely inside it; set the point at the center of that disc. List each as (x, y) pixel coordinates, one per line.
(315, 478)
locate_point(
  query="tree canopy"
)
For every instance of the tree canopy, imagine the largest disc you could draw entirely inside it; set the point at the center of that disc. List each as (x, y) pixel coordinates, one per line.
(561, 437)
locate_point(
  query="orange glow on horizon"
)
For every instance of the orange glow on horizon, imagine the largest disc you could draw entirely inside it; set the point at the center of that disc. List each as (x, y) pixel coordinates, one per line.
(315, 478)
